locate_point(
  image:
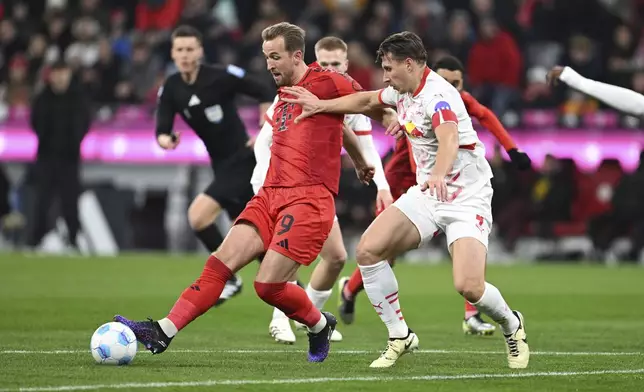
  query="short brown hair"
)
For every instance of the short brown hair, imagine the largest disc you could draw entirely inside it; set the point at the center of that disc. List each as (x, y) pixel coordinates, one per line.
(293, 35)
(402, 46)
(186, 31)
(331, 43)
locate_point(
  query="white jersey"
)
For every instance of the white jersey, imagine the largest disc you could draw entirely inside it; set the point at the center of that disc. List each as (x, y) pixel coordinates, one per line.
(358, 123)
(434, 102)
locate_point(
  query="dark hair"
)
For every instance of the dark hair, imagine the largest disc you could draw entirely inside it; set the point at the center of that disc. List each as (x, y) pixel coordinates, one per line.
(331, 43)
(449, 63)
(186, 31)
(402, 46)
(59, 65)
(293, 35)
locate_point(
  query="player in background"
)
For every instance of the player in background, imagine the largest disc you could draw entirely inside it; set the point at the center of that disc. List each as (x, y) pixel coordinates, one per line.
(330, 52)
(291, 217)
(453, 195)
(401, 169)
(623, 99)
(204, 96)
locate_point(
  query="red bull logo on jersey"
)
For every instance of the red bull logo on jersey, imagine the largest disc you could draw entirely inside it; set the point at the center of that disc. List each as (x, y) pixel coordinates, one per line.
(411, 130)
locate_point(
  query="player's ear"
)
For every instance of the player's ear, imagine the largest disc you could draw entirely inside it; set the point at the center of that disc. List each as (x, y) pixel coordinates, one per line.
(409, 64)
(298, 55)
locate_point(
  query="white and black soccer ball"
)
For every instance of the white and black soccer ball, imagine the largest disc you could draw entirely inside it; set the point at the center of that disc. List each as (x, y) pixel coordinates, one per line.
(113, 344)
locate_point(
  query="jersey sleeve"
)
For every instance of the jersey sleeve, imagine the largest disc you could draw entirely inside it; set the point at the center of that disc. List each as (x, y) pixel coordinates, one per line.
(358, 123)
(488, 120)
(388, 96)
(268, 116)
(248, 85)
(262, 150)
(165, 109)
(439, 108)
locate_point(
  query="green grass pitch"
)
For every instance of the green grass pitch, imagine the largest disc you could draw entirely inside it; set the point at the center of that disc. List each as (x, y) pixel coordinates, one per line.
(585, 328)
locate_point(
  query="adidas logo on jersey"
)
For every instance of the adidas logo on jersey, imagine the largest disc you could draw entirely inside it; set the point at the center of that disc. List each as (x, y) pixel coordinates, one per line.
(194, 101)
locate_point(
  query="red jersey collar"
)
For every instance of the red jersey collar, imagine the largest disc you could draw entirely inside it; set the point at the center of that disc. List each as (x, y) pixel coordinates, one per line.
(422, 81)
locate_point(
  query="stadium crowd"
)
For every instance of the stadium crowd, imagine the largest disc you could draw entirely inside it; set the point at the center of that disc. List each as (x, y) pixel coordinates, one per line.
(120, 47)
(119, 50)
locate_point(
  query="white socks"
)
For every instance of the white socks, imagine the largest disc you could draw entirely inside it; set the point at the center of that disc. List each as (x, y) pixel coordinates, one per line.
(381, 287)
(318, 298)
(168, 327)
(319, 326)
(494, 306)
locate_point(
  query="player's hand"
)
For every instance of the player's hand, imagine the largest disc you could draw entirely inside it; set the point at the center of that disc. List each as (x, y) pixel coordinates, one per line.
(383, 200)
(169, 142)
(553, 76)
(436, 186)
(310, 103)
(395, 129)
(365, 173)
(251, 141)
(520, 159)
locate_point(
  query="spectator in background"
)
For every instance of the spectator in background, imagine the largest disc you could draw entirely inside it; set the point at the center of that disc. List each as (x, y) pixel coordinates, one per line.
(58, 34)
(459, 35)
(83, 53)
(638, 81)
(494, 67)
(157, 14)
(105, 74)
(25, 26)
(552, 195)
(537, 94)
(18, 87)
(510, 207)
(60, 118)
(92, 9)
(142, 71)
(121, 43)
(36, 56)
(361, 66)
(627, 217)
(428, 19)
(10, 44)
(620, 58)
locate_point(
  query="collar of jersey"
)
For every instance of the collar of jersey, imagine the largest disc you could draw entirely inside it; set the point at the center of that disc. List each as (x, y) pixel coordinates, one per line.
(422, 81)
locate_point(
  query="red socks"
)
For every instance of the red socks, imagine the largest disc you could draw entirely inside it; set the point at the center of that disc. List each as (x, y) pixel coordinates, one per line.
(354, 285)
(202, 294)
(290, 299)
(470, 310)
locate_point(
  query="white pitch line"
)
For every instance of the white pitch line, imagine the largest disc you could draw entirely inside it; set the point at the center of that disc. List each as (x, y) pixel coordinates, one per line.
(347, 352)
(210, 383)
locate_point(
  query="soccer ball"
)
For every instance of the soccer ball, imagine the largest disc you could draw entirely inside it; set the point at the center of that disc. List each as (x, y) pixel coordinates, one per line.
(113, 344)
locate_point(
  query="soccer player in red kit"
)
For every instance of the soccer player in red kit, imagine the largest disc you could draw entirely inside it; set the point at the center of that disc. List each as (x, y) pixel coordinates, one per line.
(400, 172)
(291, 216)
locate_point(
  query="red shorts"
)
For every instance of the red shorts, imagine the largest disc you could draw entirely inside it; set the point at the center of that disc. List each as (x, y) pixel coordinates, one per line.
(400, 182)
(294, 222)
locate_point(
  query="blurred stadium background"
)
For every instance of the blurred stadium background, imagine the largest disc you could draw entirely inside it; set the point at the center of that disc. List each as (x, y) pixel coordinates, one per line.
(582, 201)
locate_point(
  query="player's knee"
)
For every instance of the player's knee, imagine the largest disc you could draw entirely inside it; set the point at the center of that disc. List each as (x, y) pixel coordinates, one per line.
(336, 259)
(269, 292)
(202, 212)
(470, 288)
(365, 255)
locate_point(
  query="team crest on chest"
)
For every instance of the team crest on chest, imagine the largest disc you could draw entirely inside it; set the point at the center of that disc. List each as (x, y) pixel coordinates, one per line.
(214, 113)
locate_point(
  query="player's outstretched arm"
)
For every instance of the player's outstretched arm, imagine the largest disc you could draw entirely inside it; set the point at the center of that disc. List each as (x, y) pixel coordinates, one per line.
(360, 103)
(620, 98)
(491, 122)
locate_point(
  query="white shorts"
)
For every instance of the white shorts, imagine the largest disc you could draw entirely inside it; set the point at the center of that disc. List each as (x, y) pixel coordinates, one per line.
(469, 216)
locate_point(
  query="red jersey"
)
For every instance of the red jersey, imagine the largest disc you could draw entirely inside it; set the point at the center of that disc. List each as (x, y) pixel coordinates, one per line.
(487, 119)
(308, 153)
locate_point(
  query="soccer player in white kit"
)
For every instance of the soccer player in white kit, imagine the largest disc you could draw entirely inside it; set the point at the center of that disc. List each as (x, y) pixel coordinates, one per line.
(330, 52)
(453, 195)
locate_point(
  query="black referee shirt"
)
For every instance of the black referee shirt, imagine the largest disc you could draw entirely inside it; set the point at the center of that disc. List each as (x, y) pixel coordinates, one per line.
(208, 107)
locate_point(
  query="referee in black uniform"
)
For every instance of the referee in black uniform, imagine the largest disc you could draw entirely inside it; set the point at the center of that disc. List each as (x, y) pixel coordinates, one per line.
(204, 96)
